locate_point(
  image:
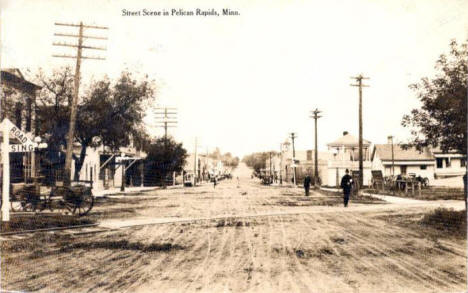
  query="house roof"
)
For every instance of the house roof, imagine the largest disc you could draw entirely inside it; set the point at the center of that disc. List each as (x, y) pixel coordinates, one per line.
(15, 77)
(384, 152)
(348, 140)
(438, 150)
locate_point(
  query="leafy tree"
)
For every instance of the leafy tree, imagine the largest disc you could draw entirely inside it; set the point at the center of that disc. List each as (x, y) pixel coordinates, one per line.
(227, 159)
(257, 161)
(441, 120)
(108, 113)
(165, 156)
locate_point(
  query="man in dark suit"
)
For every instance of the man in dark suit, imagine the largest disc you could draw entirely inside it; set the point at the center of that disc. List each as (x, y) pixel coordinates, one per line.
(347, 185)
(307, 181)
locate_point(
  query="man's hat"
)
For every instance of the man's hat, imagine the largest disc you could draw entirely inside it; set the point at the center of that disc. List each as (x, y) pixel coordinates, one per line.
(347, 171)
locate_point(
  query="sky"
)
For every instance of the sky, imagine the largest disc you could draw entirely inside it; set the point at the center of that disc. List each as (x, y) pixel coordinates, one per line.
(244, 82)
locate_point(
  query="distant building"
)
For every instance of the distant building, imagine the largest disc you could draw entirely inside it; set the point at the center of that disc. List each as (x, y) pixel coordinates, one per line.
(449, 164)
(345, 155)
(104, 167)
(405, 161)
(18, 104)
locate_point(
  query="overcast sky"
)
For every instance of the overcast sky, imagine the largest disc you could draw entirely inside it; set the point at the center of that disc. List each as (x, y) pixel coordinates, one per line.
(242, 83)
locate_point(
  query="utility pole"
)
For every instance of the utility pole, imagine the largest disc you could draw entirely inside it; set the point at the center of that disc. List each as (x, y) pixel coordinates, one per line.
(359, 84)
(78, 57)
(316, 117)
(166, 117)
(281, 164)
(390, 138)
(195, 164)
(270, 167)
(294, 136)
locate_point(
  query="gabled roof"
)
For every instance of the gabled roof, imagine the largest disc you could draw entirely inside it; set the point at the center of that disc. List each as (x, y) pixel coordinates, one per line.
(348, 140)
(384, 152)
(15, 77)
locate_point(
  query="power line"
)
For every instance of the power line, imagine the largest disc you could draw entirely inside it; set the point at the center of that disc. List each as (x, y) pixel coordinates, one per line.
(166, 117)
(80, 36)
(359, 84)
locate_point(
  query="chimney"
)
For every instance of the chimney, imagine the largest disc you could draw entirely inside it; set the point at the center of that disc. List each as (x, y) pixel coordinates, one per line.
(345, 133)
(390, 139)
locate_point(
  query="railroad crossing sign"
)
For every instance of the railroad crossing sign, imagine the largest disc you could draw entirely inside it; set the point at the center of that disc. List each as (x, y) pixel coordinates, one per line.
(26, 145)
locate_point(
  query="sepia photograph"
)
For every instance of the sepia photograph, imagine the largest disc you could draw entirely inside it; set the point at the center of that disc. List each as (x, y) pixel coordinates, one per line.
(233, 146)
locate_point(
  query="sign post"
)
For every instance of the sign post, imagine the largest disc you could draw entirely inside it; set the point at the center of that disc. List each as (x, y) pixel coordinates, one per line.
(6, 171)
(27, 145)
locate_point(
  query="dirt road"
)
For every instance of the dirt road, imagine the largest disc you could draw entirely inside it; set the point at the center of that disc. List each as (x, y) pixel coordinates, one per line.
(371, 247)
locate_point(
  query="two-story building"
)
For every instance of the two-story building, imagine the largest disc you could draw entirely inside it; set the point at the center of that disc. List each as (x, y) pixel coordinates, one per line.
(18, 104)
(344, 154)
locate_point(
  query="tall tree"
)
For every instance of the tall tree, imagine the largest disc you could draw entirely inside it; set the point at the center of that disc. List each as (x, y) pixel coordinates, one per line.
(441, 120)
(257, 161)
(165, 156)
(108, 113)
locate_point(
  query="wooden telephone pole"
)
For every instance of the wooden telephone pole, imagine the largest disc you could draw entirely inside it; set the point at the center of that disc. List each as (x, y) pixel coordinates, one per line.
(359, 84)
(166, 117)
(294, 136)
(316, 117)
(78, 57)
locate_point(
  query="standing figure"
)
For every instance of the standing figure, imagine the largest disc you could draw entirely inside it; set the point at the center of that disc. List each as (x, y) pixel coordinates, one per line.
(238, 182)
(347, 185)
(307, 181)
(215, 181)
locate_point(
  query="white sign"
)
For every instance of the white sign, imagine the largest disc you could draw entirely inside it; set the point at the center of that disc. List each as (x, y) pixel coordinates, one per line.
(22, 148)
(16, 132)
(20, 135)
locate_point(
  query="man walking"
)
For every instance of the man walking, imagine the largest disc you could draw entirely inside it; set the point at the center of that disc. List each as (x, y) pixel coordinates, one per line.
(307, 181)
(347, 185)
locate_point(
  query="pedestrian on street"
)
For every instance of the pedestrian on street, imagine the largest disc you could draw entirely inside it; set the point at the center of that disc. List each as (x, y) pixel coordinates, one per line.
(215, 180)
(307, 181)
(347, 185)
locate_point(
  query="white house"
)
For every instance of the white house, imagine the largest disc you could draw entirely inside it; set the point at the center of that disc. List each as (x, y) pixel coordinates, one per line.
(449, 164)
(401, 161)
(104, 167)
(345, 155)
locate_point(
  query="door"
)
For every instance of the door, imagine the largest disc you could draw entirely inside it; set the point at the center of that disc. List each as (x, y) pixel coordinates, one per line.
(403, 170)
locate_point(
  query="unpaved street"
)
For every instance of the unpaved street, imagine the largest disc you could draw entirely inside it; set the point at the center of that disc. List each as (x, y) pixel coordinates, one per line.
(295, 244)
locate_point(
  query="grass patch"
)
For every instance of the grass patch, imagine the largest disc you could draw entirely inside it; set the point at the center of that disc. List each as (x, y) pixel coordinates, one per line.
(231, 222)
(325, 201)
(43, 221)
(123, 245)
(446, 219)
(431, 193)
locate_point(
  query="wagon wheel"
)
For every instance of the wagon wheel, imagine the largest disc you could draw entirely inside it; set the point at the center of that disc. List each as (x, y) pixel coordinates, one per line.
(83, 205)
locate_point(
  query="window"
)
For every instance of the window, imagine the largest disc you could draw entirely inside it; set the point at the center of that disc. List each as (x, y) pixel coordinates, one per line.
(403, 169)
(447, 162)
(462, 162)
(423, 167)
(439, 163)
